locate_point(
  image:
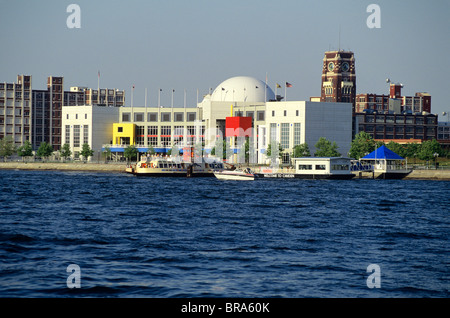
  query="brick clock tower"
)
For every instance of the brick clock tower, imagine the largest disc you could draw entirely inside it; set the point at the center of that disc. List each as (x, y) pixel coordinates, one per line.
(338, 78)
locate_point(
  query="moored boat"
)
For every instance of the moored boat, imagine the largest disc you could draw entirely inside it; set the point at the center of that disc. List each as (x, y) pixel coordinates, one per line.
(312, 168)
(245, 174)
(168, 167)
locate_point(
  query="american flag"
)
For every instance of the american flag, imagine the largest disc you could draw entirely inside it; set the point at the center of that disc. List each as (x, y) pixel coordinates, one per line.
(288, 84)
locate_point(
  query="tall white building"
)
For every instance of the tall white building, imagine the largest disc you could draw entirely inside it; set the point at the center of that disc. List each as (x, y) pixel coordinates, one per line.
(92, 125)
(297, 122)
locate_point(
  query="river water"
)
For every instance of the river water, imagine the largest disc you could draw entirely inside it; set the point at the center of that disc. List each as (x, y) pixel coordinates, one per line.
(177, 237)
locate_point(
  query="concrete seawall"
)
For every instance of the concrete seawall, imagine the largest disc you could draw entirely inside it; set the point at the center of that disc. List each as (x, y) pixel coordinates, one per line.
(60, 166)
(415, 175)
(429, 174)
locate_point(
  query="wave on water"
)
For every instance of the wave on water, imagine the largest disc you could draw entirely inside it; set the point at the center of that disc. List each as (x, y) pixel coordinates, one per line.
(170, 237)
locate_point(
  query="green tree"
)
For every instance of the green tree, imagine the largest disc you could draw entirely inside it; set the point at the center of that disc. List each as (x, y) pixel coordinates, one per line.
(301, 150)
(220, 143)
(269, 149)
(397, 148)
(25, 150)
(247, 149)
(326, 148)
(86, 151)
(45, 150)
(65, 151)
(107, 152)
(362, 145)
(130, 152)
(428, 149)
(7, 147)
(412, 150)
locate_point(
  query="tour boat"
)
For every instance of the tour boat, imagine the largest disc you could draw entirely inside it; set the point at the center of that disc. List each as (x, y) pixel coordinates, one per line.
(167, 167)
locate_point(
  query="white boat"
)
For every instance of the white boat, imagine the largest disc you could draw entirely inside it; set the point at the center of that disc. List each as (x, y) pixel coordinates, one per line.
(167, 167)
(245, 174)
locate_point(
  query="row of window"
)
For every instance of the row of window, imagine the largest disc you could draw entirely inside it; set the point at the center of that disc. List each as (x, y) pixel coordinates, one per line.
(398, 129)
(310, 167)
(165, 117)
(339, 167)
(260, 114)
(297, 113)
(179, 134)
(378, 99)
(76, 116)
(285, 134)
(346, 90)
(418, 120)
(77, 134)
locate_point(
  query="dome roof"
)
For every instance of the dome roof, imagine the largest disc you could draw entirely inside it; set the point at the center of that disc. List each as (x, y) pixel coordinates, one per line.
(242, 89)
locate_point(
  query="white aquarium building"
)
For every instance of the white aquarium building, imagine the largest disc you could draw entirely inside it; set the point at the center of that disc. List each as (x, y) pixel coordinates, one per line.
(288, 123)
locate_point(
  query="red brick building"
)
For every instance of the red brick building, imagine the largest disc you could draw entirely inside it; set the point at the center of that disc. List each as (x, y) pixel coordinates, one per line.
(419, 103)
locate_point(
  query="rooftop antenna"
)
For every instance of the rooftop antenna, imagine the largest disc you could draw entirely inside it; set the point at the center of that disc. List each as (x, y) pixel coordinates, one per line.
(339, 38)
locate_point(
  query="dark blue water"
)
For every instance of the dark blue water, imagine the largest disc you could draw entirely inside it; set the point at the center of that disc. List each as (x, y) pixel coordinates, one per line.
(144, 237)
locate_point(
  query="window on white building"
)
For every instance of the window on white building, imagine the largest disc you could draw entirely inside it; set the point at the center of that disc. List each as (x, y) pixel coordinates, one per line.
(76, 135)
(284, 140)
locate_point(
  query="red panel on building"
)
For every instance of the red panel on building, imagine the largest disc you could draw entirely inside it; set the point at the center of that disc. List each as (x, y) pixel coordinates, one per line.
(187, 154)
(238, 127)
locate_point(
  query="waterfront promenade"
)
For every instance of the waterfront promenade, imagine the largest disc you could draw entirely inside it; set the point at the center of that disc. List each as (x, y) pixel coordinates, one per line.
(426, 174)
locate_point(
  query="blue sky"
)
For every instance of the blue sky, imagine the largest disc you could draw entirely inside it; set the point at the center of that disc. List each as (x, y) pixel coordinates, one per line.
(197, 44)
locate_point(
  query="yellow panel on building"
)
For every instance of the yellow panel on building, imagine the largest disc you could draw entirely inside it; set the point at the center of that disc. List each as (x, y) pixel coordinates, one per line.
(124, 134)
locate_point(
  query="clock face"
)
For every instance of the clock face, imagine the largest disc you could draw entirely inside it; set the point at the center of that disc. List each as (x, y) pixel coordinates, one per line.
(331, 66)
(345, 67)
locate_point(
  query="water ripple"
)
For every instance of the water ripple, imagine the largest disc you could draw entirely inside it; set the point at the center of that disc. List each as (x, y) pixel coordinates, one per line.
(135, 237)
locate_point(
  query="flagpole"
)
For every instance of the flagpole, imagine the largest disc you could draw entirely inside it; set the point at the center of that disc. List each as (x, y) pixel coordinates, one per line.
(98, 87)
(159, 105)
(145, 97)
(159, 98)
(285, 91)
(265, 90)
(172, 97)
(132, 93)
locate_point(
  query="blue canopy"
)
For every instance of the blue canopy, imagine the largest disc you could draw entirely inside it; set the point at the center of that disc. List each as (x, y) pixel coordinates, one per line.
(383, 153)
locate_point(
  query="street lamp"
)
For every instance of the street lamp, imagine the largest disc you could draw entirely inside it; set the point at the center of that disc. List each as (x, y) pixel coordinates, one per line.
(448, 115)
(435, 159)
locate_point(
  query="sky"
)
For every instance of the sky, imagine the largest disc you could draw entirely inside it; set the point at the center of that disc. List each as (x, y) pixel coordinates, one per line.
(190, 45)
